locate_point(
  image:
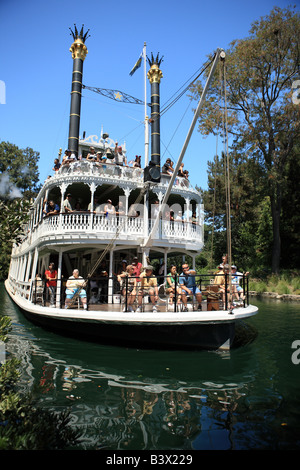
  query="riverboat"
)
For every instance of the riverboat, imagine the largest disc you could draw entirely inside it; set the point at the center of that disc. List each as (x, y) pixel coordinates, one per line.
(119, 213)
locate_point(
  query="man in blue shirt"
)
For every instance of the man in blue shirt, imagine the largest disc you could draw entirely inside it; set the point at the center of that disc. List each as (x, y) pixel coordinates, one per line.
(188, 285)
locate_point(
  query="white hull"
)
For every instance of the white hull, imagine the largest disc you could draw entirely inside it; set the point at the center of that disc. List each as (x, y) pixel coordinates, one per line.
(194, 329)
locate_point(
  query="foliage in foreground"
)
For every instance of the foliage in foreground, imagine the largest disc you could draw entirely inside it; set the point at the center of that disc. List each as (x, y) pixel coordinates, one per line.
(22, 425)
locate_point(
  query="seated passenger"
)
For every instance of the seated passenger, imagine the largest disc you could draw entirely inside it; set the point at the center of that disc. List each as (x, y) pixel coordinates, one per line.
(148, 287)
(170, 285)
(237, 289)
(128, 279)
(188, 286)
(167, 168)
(75, 285)
(220, 280)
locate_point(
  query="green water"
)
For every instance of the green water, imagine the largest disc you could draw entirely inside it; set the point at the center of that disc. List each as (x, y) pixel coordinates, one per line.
(134, 399)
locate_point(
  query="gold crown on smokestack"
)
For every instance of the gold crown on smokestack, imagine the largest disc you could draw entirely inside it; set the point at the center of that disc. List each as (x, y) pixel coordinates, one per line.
(78, 48)
(155, 74)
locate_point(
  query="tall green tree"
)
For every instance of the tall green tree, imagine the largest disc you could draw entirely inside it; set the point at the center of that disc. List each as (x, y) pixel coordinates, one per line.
(19, 175)
(19, 182)
(262, 116)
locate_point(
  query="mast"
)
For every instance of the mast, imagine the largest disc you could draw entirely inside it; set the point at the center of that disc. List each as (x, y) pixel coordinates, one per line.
(79, 52)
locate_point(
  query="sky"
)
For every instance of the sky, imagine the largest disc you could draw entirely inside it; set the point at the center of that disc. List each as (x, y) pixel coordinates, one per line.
(36, 70)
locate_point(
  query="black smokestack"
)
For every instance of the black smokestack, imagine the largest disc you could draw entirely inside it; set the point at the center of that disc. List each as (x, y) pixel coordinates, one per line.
(152, 172)
(79, 52)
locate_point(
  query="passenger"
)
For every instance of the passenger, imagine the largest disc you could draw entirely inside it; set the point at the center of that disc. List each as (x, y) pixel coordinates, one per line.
(51, 208)
(57, 165)
(194, 221)
(120, 158)
(137, 162)
(137, 267)
(109, 209)
(148, 287)
(51, 278)
(188, 286)
(170, 284)
(103, 161)
(120, 209)
(155, 209)
(96, 204)
(67, 204)
(180, 171)
(186, 174)
(98, 158)
(75, 285)
(91, 156)
(103, 282)
(167, 168)
(122, 267)
(66, 158)
(179, 217)
(128, 279)
(238, 291)
(78, 207)
(220, 280)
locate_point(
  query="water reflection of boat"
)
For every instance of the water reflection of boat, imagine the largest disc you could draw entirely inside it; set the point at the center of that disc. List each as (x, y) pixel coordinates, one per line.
(133, 399)
(99, 234)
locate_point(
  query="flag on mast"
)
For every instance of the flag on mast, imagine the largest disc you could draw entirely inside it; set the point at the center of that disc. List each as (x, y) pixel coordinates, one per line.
(137, 65)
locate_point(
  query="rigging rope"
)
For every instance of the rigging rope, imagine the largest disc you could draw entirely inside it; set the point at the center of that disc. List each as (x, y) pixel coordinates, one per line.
(227, 180)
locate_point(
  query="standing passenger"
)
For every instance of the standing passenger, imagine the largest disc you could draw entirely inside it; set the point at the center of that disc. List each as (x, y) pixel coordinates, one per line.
(51, 278)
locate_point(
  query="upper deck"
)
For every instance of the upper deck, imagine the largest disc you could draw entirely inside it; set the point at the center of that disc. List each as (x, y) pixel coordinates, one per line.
(91, 184)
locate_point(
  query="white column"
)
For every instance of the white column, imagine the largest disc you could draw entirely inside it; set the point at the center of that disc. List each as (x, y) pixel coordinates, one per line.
(59, 281)
(28, 266)
(110, 280)
(33, 270)
(93, 189)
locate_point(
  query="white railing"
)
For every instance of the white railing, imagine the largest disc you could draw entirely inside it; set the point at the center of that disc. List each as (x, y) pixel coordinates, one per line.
(113, 171)
(129, 227)
(105, 170)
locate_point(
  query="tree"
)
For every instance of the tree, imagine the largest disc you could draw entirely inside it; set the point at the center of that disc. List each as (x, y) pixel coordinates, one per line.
(262, 116)
(18, 184)
(247, 191)
(19, 171)
(13, 217)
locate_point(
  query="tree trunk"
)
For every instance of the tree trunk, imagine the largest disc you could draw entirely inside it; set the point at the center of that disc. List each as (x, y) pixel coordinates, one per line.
(276, 250)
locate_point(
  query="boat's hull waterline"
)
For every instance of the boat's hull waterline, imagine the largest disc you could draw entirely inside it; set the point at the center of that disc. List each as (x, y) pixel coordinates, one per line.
(213, 330)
